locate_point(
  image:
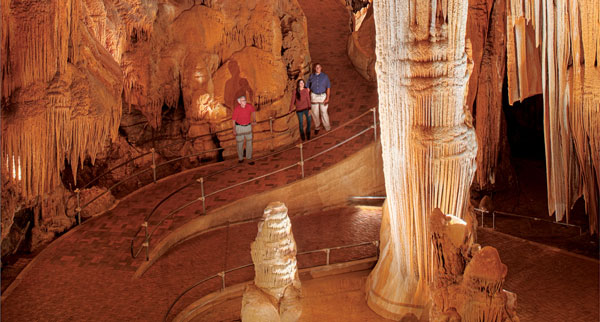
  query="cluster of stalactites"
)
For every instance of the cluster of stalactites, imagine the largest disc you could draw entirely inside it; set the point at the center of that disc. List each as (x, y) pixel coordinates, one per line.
(35, 148)
(55, 110)
(35, 46)
(568, 35)
(467, 280)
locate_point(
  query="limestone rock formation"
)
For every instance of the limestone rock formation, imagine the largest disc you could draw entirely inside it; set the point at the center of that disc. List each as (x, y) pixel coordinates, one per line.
(555, 46)
(427, 140)
(361, 42)
(467, 280)
(486, 29)
(209, 53)
(275, 294)
(70, 67)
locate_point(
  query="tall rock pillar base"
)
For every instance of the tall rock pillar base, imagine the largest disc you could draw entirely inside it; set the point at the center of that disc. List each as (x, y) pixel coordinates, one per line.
(392, 291)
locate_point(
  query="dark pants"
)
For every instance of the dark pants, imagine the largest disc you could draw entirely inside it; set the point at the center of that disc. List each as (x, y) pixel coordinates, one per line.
(302, 114)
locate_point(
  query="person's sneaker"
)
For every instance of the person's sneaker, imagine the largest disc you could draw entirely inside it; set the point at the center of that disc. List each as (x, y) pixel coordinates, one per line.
(251, 163)
(316, 132)
(240, 161)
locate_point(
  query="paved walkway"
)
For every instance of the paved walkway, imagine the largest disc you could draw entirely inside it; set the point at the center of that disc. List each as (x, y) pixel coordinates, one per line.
(87, 275)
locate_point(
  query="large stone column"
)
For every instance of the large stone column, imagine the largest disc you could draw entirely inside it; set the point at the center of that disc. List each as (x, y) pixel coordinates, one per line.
(427, 140)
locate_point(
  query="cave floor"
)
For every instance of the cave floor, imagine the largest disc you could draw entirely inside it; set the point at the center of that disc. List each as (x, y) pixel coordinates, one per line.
(87, 274)
(74, 279)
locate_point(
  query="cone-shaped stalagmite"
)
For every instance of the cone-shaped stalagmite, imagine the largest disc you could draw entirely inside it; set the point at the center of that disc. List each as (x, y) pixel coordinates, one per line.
(427, 141)
(274, 296)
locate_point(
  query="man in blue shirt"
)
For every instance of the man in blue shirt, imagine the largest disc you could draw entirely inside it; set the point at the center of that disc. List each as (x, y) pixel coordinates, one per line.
(320, 87)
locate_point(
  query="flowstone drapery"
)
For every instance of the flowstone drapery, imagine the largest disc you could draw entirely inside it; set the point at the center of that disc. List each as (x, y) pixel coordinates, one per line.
(568, 75)
(427, 140)
(274, 296)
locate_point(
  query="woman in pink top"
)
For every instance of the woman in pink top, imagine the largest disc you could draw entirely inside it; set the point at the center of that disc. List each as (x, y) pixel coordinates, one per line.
(301, 103)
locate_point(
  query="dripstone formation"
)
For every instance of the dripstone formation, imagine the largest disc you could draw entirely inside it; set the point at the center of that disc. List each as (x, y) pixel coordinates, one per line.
(274, 296)
(428, 142)
(87, 85)
(468, 280)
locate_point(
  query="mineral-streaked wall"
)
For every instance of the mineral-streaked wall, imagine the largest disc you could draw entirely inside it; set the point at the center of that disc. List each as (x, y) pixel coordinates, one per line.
(428, 142)
(68, 68)
(555, 47)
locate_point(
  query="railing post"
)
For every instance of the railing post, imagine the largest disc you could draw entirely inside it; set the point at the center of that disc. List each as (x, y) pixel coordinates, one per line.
(482, 218)
(153, 164)
(146, 240)
(222, 274)
(494, 220)
(327, 251)
(301, 160)
(375, 123)
(271, 130)
(201, 180)
(78, 209)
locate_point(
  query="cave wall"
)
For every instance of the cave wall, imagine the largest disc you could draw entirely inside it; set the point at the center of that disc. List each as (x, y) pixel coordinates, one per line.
(71, 70)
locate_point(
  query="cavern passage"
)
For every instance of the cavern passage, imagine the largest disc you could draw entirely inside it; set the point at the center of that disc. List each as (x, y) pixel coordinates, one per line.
(486, 109)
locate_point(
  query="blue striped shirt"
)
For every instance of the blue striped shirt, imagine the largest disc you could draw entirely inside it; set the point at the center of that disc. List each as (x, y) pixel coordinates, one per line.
(318, 84)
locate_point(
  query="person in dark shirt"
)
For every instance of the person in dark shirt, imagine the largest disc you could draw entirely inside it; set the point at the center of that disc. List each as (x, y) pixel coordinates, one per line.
(244, 115)
(301, 103)
(320, 90)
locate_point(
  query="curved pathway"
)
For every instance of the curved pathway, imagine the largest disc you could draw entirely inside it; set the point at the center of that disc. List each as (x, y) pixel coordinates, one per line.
(87, 275)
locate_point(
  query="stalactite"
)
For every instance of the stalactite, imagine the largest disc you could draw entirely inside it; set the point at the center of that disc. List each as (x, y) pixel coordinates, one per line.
(427, 140)
(568, 33)
(489, 97)
(57, 111)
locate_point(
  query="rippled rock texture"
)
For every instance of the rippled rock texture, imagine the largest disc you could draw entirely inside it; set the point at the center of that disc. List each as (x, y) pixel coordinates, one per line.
(274, 296)
(89, 84)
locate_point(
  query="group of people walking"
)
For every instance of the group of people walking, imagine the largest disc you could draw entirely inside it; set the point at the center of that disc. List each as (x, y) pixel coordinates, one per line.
(309, 98)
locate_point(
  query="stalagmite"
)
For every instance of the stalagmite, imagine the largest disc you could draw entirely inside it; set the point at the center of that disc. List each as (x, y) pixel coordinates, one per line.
(427, 140)
(274, 296)
(568, 35)
(467, 280)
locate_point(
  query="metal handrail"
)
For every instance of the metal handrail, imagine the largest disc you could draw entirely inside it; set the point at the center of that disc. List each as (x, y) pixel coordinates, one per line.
(203, 197)
(223, 273)
(148, 216)
(508, 214)
(154, 166)
(340, 143)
